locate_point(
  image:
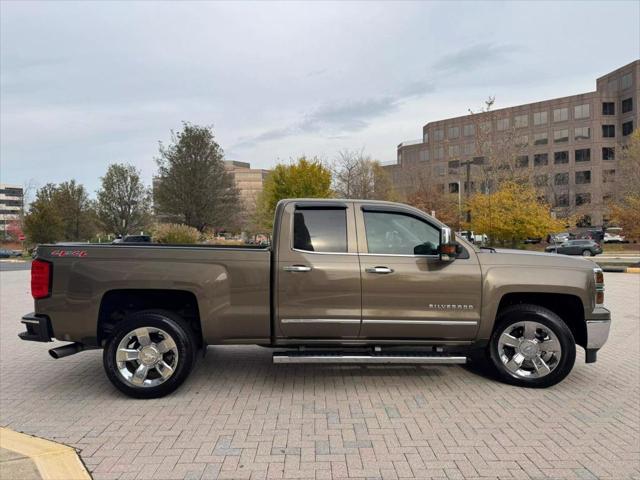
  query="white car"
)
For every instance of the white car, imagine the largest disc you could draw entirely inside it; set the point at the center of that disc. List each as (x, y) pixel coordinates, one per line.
(613, 238)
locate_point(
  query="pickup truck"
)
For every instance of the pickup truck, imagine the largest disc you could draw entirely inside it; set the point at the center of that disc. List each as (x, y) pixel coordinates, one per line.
(344, 281)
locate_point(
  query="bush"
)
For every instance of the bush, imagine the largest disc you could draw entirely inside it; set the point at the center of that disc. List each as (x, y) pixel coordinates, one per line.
(175, 233)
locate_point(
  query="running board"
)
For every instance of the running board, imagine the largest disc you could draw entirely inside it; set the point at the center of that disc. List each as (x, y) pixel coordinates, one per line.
(296, 357)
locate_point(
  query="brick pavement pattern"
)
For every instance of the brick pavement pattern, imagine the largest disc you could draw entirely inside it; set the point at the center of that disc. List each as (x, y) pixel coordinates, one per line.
(240, 417)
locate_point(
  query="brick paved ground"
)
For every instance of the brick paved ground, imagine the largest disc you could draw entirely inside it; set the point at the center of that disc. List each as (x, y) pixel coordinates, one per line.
(239, 416)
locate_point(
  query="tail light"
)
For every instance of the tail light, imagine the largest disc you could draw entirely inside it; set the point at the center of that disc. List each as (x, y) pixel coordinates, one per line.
(598, 277)
(40, 279)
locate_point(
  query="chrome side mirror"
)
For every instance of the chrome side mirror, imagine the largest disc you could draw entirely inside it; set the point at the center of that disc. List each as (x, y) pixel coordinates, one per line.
(448, 249)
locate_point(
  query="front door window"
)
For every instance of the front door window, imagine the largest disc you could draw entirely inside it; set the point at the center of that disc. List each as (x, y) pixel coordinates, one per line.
(390, 233)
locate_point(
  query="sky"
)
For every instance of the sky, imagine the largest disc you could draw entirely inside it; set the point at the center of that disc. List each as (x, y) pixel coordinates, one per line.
(84, 85)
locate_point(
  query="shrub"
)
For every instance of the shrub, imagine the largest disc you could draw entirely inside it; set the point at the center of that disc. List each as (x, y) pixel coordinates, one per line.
(175, 233)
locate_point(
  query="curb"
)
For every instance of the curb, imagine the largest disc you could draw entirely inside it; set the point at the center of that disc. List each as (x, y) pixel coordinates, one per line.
(54, 461)
(633, 269)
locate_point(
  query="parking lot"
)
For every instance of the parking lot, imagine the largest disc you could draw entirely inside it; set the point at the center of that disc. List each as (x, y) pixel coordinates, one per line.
(240, 417)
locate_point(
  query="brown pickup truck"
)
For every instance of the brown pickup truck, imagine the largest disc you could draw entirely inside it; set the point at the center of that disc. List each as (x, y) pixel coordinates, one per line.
(345, 281)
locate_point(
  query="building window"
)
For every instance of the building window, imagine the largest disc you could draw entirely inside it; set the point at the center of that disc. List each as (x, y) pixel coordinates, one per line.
(522, 141)
(561, 136)
(454, 187)
(625, 82)
(521, 121)
(438, 135)
(454, 132)
(469, 130)
(522, 161)
(608, 131)
(424, 155)
(608, 153)
(560, 114)
(582, 133)
(540, 138)
(469, 148)
(627, 105)
(426, 137)
(608, 108)
(540, 159)
(454, 150)
(541, 180)
(627, 128)
(438, 153)
(478, 160)
(608, 176)
(502, 124)
(562, 200)
(454, 164)
(540, 118)
(440, 171)
(583, 155)
(561, 179)
(560, 157)
(583, 199)
(581, 111)
(485, 127)
(583, 177)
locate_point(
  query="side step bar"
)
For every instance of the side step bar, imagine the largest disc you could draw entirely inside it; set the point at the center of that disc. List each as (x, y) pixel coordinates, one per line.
(367, 359)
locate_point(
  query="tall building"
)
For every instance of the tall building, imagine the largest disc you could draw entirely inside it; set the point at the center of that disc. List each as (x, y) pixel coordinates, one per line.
(249, 181)
(567, 146)
(11, 200)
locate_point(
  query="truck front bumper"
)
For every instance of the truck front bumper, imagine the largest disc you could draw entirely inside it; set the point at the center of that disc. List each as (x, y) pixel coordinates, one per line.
(598, 325)
(38, 328)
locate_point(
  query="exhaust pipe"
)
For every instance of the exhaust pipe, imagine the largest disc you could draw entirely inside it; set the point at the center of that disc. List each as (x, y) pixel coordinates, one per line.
(66, 350)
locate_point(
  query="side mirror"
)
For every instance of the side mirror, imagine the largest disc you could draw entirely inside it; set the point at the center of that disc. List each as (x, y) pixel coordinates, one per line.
(448, 248)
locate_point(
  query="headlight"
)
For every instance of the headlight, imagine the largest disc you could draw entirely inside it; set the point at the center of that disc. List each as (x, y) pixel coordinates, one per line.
(598, 277)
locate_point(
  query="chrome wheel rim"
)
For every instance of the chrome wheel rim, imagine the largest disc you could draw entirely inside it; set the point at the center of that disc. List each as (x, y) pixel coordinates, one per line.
(146, 357)
(586, 253)
(529, 349)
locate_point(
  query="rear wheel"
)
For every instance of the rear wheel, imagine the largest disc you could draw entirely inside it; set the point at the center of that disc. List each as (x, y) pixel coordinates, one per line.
(586, 253)
(531, 346)
(150, 354)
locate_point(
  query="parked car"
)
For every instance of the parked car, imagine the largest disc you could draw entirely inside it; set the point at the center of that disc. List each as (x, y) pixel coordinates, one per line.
(345, 281)
(560, 237)
(133, 239)
(614, 235)
(477, 238)
(586, 248)
(6, 253)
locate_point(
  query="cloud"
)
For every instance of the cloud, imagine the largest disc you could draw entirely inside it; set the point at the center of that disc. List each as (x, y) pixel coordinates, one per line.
(474, 57)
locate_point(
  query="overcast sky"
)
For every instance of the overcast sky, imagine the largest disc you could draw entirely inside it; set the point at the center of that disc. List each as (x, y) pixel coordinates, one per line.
(87, 84)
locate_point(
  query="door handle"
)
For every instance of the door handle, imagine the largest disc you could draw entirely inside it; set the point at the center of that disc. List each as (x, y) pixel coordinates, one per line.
(382, 270)
(296, 268)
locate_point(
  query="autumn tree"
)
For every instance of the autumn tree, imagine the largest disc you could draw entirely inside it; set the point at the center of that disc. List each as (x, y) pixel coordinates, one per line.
(625, 204)
(304, 178)
(78, 212)
(511, 214)
(193, 185)
(356, 175)
(124, 203)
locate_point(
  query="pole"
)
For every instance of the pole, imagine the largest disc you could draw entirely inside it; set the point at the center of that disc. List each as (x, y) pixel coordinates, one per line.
(467, 185)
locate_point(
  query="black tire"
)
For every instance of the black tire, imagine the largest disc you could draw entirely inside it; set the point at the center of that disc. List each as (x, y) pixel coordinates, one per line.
(544, 316)
(179, 332)
(587, 253)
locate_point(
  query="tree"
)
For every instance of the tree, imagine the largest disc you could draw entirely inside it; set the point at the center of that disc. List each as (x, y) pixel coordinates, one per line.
(124, 203)
(43, 223)
(78, 213)
(511, 214)
(303, 179)
(625, 204)
(356, 175)
(193, 185)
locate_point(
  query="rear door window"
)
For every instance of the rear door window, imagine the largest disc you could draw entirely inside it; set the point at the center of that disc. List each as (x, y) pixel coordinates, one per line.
(320, 230)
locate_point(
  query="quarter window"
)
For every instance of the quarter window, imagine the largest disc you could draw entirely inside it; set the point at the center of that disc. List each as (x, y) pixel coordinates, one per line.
(400, 234)
(320, 230)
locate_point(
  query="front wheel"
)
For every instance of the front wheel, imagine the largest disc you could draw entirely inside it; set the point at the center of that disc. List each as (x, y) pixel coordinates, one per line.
(150, 354)
(531, 346)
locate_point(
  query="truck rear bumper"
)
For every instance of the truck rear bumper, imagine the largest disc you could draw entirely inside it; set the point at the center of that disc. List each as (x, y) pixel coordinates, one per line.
(38, 328)
(598, 326)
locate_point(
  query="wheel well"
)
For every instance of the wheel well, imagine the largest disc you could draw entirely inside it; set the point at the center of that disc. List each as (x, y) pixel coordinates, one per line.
(568, 307)
(117, 304)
